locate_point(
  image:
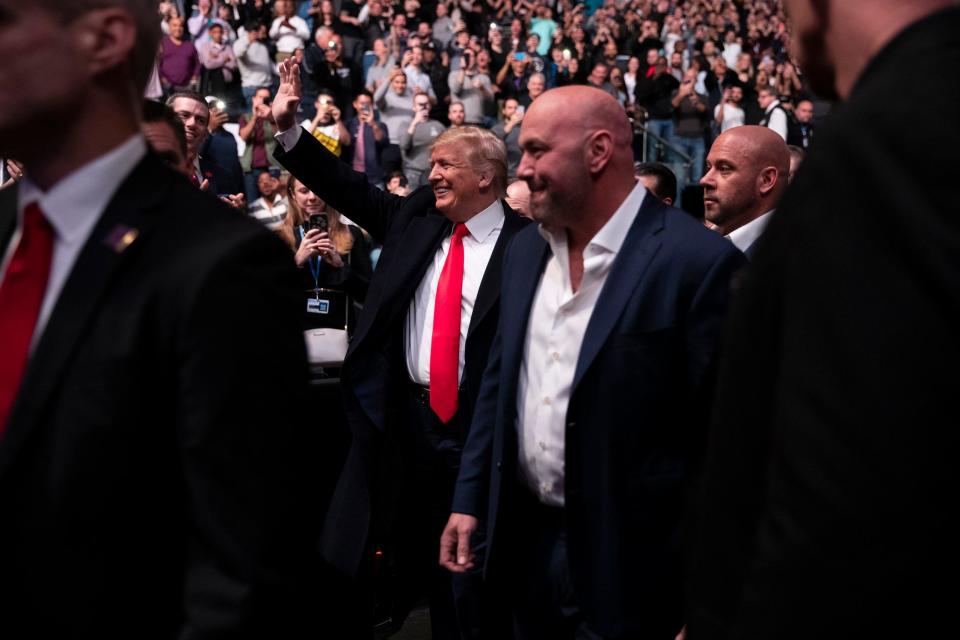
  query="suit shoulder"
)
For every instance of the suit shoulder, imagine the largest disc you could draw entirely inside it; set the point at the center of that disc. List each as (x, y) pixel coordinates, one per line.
(198, 229)
(687, 235)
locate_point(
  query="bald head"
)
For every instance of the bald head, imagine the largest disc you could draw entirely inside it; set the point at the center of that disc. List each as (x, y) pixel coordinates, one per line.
(577, 162)
(747, 170)
(596, 111)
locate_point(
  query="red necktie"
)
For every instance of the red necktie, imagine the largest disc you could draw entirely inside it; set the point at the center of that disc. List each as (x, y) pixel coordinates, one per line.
(445, 345)
(21, 295)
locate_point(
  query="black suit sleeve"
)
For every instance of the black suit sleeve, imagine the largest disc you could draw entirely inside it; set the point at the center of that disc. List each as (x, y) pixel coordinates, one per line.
(348, 191)
(247, 448)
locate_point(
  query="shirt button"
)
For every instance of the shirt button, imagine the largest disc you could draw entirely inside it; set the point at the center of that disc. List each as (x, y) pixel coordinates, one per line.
(546, 401)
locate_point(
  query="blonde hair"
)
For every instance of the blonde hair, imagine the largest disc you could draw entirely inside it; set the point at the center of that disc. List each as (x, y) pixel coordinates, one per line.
(483, 150)
(339, 232)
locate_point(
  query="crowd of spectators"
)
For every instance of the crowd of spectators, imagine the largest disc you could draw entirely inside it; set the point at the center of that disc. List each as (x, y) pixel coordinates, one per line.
(684, 70)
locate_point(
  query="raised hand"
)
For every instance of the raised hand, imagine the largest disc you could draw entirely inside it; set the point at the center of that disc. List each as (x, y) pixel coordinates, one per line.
(288, 95)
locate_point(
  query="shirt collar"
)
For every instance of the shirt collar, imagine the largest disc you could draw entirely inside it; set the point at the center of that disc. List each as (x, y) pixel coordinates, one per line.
(612, 234)
(743, 237)
(75, 203)
(482, 225)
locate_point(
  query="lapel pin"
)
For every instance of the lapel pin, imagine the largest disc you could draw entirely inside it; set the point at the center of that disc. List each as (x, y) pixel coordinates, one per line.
(120, 237)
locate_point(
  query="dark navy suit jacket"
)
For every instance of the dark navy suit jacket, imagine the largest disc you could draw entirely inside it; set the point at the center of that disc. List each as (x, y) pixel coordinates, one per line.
(635, 423)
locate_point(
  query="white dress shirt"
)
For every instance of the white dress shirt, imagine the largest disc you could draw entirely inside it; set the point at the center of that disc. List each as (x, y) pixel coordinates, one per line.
(72, 207)
(478, 246)
(743, 237)
(484, 230)
(555, 331)
(776, 119)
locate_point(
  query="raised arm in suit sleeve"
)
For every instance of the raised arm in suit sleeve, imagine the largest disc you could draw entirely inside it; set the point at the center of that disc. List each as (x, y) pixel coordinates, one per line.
(248, 447)
(337, 184)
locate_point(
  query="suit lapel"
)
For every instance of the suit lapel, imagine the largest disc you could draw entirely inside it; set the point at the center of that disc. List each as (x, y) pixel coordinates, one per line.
(114, 239)
(490, 286)
(418, 244)
(531, 256)
(625, 276)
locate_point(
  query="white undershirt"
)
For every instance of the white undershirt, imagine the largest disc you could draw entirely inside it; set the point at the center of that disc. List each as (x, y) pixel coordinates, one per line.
(72, 207)
(555, 331)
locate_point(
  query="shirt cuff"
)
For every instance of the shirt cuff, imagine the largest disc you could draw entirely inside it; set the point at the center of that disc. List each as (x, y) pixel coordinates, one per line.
(288, 139)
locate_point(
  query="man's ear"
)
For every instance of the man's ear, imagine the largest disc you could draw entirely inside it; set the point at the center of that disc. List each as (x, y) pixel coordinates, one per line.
(106, 37)
(767, 180)
(599, 150)
(485, 179)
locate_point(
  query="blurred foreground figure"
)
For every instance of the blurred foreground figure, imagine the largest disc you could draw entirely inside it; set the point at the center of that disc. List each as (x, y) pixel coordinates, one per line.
(833, 457)
(154, 471)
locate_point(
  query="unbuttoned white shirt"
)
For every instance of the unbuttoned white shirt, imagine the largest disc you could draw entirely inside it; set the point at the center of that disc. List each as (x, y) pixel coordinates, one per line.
(484, 230)
(555, 331)
(72, 207)
(743, 237)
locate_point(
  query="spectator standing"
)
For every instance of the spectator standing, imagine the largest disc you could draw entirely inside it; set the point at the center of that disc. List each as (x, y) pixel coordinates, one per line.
(219, 63)
(379, 71)
(199, 24)
(368, 138)
(417, 79)
(416, 141)
(443, 25)
(800, 126)
(394, 99)
(508, 130)
(256, 130)
(472, 87)
(351, 30)
(655, 94)
(774, 115)
(512, 78)
(288, 31)
(253, 60)
(334, 75)
(691, 123)
(728, 113)
(179, 66)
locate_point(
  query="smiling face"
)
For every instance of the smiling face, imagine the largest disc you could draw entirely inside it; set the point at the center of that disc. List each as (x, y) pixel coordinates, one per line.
(553, 166)
(195, 117)
(456, 183)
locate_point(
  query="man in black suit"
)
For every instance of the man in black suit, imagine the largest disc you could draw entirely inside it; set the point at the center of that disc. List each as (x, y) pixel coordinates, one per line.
(591, 417)
(833, 456)
(747, 170)
(409, 354)
(156, 468)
